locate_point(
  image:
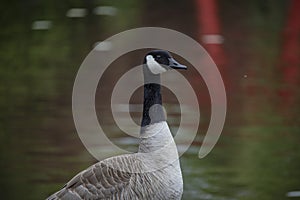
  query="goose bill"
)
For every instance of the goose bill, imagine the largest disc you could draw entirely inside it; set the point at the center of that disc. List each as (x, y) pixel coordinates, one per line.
(175, 65)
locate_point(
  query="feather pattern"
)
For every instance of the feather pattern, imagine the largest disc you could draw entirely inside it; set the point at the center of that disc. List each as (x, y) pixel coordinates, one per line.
(152, 173)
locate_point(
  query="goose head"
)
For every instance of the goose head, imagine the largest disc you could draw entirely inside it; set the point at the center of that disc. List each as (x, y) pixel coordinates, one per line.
(159, 61)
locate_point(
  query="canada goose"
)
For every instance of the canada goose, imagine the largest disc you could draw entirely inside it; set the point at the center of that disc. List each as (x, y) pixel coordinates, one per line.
(151, 173)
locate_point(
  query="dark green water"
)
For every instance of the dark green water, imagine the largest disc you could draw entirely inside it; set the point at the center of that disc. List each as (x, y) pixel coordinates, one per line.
(257, 156)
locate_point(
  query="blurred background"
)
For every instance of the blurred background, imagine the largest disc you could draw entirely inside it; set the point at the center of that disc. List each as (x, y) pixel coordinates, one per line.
(255, 43)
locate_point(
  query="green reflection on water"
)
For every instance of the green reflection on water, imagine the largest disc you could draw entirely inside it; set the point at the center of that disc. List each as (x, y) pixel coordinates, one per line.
(260, 162)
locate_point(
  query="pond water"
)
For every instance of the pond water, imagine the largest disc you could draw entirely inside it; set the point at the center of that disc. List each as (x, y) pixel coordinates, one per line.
(257, 156)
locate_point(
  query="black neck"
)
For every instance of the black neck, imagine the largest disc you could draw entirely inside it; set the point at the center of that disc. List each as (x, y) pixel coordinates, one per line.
(152, 96)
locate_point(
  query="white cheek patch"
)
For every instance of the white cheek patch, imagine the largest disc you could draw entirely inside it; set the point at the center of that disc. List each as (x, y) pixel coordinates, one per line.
(154, 66)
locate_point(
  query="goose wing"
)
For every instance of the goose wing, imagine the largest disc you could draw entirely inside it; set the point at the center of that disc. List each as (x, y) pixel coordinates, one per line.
(105, 179)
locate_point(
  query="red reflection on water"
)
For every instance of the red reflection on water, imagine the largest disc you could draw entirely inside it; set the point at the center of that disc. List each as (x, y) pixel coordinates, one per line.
(210, 31)
(212, 40)
(290, 56)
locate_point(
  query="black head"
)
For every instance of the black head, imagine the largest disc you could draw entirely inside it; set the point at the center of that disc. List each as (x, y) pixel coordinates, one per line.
(159, 61)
